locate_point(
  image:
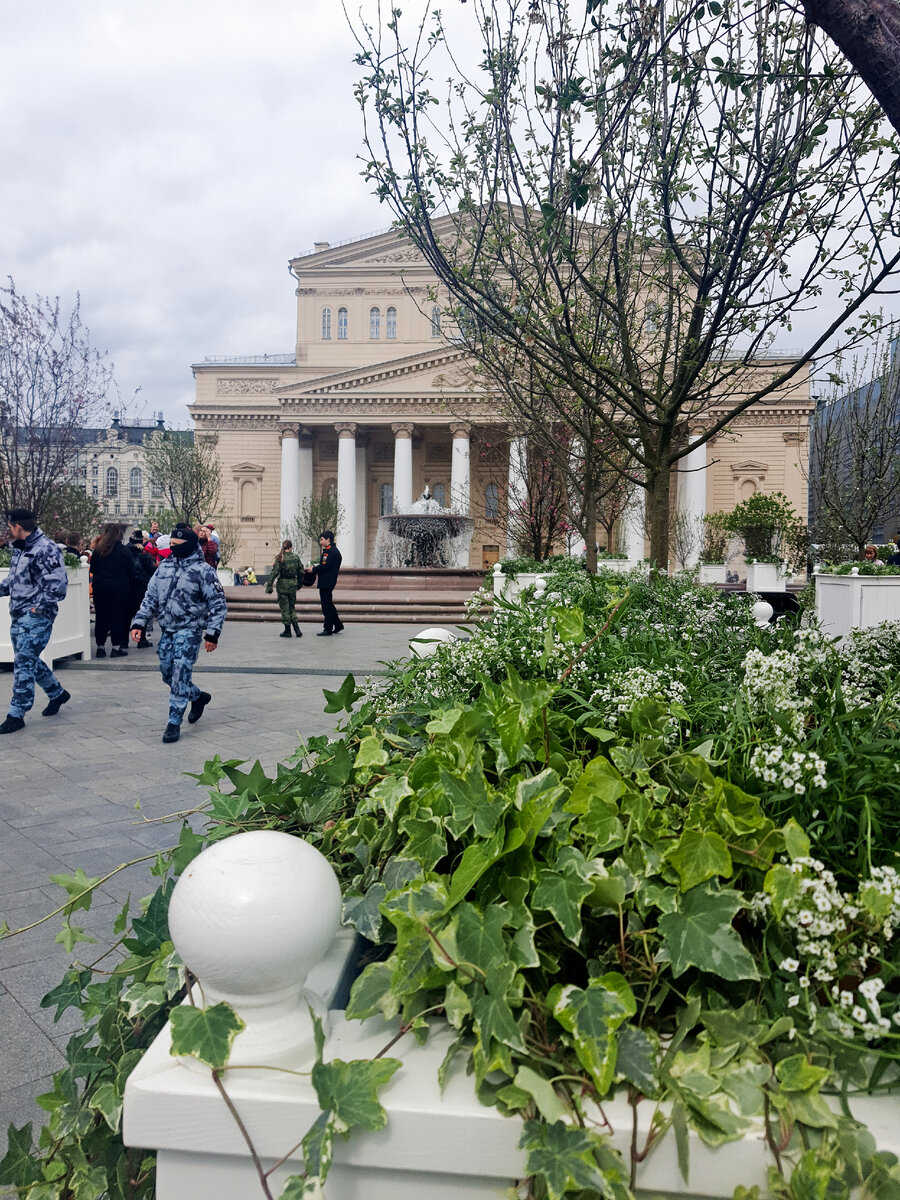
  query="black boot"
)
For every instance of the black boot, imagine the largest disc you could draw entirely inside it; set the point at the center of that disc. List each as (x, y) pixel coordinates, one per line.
(287, 631)
(297, 630)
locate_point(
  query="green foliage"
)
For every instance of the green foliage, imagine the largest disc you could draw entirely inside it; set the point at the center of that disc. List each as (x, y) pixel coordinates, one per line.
(771, 529)
(577, 866)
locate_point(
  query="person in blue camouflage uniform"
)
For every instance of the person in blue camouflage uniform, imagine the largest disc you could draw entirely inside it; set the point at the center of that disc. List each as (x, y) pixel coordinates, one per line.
(183, 596)
(36, 584)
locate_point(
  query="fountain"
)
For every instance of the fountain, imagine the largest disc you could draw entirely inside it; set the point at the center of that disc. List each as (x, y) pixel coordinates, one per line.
(426, 535)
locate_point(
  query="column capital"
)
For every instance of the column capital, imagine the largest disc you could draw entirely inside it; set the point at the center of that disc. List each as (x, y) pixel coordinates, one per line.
(345, 429)
(403, 429)
(289, 432)
(460, 428)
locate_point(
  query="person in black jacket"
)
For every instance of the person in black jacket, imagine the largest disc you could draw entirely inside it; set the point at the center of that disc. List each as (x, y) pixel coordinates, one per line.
(326, 573)
(112, 574)
(144, 568)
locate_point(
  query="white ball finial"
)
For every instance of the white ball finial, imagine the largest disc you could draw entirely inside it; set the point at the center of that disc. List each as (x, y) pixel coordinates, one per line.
(250, 917)
(424, 644)
(762, 613)
(540, 586)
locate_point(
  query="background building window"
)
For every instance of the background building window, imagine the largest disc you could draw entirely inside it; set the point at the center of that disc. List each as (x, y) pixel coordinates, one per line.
(386, 506)
(135, 483)
(156, 489)
(391, 322)
(342, 324)
(491, 502)
(439, 491)
(112, 481)
(326, 324)
(374, 323)
(435, 321)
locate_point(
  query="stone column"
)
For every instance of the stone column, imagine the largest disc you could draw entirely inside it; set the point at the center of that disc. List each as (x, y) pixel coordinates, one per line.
(518, 486)
(692, 497)
(403, 496)
(346, 492)
(459, 468)
(306, 487)
(290, 475)
(362, 450)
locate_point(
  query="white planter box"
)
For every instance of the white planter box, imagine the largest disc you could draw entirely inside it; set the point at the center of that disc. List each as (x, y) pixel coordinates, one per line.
(72, 627)
(711, 573)
(621, 566)
(845, 602)
(226, 576)
(766, 577)
(510, 587)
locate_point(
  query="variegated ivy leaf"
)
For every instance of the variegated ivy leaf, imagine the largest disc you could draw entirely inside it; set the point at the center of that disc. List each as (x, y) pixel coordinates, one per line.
(592, 1015)
(700, 934)
(204, 1033)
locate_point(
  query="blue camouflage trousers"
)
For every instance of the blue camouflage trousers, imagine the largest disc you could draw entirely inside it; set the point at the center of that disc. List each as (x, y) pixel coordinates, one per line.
(177, 654)
(30, 633)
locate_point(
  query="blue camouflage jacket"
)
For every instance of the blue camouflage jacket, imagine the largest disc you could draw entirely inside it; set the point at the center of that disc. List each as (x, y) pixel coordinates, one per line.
(37, 576)
(184, 593)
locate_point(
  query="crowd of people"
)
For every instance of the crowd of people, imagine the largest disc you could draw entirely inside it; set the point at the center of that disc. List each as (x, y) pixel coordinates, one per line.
(169, 579)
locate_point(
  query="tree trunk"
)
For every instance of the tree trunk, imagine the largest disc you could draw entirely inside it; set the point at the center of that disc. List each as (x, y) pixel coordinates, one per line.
(868, 33)
(658, 489)
(590, 530)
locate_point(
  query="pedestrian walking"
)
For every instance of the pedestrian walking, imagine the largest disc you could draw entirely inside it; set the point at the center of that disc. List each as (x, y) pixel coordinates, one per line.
(144, 566)
(113, 574)
(285, 577)
(326, 574)
(36, 584)
(184, 596)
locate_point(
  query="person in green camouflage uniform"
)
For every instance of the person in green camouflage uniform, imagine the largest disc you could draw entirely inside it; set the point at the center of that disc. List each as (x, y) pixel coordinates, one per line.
(285, 577)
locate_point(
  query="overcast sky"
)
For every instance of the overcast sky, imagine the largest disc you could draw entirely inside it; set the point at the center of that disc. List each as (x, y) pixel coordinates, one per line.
(166, 159)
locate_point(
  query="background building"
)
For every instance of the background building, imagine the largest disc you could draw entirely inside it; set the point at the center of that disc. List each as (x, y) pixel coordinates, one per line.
(375, 402)
(110, 467)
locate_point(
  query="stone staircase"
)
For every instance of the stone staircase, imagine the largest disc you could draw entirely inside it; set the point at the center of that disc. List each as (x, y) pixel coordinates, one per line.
(415, 597)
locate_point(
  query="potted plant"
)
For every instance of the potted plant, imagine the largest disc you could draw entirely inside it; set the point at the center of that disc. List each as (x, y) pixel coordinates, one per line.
(773, 536)
(715, 534)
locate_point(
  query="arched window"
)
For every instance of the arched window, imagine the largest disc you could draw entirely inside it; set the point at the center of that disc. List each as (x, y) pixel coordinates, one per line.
(439, 491)
(135, 483)
(374, 323)
(326, 324)
(386, 506)
(342, 324)
(491, 502)
(156, 489)
(435, 321)
(112, 481)
(391, 322)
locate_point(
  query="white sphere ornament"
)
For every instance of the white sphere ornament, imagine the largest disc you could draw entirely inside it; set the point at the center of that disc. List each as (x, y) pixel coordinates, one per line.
(424, 644)
(250, 917)
(762, 613)
(540, 586)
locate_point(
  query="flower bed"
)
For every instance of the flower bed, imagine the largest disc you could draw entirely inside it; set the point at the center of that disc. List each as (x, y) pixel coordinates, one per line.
(621, 842)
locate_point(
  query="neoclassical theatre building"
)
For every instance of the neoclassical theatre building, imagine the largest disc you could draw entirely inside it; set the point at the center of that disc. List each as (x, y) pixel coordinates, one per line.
(376, 403)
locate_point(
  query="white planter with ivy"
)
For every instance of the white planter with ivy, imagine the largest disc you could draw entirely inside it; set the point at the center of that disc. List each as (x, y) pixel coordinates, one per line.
(510, 587)
(709, 572)
(767, 577)
(854, 601)
(72, 627)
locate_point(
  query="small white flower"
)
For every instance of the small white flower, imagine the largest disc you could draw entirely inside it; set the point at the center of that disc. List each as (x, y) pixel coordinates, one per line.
(790, 964)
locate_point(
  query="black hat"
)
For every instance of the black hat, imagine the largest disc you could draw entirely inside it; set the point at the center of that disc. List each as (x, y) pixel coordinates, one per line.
(185, 534)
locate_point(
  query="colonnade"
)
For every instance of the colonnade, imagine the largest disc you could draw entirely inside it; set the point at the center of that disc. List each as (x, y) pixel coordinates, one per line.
(297, 484)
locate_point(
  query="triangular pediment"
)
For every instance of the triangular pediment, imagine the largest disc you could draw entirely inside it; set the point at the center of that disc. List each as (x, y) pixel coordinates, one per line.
(386, 249)
(247, 468)
(750, 464)
(439, 370)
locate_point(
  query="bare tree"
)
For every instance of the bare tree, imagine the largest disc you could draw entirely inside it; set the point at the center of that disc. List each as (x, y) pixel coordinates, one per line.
(187, 469)
(314, 514)
(854, 470)
(637, 199)
(53, 384)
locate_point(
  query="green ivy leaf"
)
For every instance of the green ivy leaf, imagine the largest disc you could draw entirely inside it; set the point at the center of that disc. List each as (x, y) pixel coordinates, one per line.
(107, 1101)
(350, 1090)
(569, 623)
(371, 993)
(68, 992)
(562, 1156)
(79, 887)
(562, 895)
(204, 1033)
(390, 794)
(636, 1057)
(698, 856)
(344, 698)
(70, 935)
(541, 1090)
(19, 1169)
(189, 846)
(700, 935)
(371, 753)
(592, 1015)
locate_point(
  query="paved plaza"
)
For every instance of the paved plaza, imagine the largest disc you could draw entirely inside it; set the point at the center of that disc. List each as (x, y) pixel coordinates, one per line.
(86, 789)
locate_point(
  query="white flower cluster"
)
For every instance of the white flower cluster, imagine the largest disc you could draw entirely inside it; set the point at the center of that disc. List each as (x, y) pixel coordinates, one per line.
(621, 690)
(869, 661)
(770, 685)
(838, 938)
(792, 770)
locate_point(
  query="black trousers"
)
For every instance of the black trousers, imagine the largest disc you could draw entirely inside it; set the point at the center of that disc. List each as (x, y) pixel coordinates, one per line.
(329, 612)
(112, 611)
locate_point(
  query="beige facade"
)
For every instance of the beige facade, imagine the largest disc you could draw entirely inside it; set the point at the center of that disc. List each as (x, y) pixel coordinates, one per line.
(375, 403)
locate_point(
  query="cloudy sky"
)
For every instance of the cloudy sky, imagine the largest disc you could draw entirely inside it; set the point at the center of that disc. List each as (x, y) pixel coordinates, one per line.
(165, 160)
